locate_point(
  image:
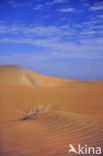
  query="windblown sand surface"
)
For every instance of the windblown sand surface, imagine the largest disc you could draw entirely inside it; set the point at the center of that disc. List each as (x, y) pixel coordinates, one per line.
(76, 116)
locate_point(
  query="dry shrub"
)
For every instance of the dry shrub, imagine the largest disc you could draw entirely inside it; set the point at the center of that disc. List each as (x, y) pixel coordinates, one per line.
(30, 112)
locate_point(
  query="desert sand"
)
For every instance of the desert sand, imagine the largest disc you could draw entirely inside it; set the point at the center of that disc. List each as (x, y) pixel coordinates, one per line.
(75, 117)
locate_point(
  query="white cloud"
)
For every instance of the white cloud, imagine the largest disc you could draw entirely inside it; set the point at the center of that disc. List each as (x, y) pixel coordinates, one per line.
(56, 2)
(92, 22)
(67, 10)
(87, 49)
(18, 4)
(100, 16)
(97, 27)
(38, 7)
(89, 27)
(97, 7)
(88, 32)
(37, 31)
(58, 32)
(58, 41)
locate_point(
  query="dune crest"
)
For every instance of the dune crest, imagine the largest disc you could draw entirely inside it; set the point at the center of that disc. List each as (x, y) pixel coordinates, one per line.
(16, 75)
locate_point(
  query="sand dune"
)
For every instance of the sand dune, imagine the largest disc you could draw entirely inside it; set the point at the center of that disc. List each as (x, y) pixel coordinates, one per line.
(16, 75)
(75, 118)
(49, 134)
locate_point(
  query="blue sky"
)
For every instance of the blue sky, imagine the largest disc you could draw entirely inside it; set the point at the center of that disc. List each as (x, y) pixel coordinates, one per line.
(62, 38)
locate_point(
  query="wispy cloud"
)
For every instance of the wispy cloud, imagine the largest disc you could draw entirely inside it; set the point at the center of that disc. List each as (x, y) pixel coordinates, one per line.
(61, 41)
(59, 1)
(66, 10)
(37, 31)
(62, 32)
(87, 48)
(56, 2)
(38, 7)
(18, 4)
(97, 7)
(100, 16)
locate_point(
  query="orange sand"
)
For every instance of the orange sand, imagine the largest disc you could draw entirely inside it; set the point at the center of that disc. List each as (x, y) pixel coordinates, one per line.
(76, 117)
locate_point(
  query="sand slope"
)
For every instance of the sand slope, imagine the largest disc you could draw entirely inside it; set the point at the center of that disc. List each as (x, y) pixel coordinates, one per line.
(16, 75)
(76, 117)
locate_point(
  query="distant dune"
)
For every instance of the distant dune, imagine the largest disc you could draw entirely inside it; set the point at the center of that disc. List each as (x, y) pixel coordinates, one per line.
(16, 75)
(76, 116)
